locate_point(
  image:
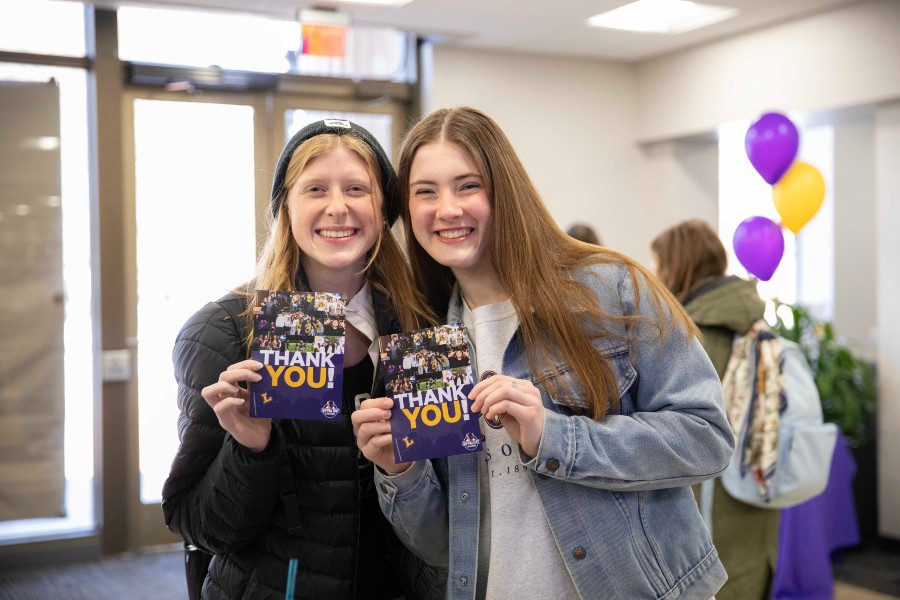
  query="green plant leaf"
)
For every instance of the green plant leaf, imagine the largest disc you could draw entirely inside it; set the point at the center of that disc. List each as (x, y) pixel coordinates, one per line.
(845, 381)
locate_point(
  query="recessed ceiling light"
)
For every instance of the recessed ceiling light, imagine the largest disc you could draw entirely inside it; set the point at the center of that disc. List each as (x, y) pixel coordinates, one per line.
(662, 16)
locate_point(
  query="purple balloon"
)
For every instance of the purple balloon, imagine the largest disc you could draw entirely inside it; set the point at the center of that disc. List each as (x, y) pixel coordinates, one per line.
(771, 145)
(759, 245)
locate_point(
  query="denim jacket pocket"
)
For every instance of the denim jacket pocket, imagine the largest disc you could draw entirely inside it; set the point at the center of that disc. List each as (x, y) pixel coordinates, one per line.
(643, 544)
(567, 381)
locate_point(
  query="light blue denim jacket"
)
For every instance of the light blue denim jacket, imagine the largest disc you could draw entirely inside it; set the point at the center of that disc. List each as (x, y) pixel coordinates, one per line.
(615, 492)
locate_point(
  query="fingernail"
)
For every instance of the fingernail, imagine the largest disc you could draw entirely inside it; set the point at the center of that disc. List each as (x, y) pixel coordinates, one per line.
(386, 414)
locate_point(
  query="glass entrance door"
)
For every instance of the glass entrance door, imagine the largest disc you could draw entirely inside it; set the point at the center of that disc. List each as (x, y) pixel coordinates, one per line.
(47, 366)
(194, 240)
(202, 171)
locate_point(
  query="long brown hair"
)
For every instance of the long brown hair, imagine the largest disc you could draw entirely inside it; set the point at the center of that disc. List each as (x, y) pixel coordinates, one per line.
(687, 254)
(386, 269)
(533, 258)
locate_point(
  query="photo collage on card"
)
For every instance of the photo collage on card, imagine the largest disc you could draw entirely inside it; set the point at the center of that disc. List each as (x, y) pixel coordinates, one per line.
(429, 375)
(299, 338)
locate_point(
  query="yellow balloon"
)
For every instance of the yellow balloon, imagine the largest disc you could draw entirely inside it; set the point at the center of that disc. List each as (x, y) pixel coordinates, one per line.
(798, 195)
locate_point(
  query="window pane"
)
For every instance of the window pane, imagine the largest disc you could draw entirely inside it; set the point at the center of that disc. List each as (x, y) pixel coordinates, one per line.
(251, 43)
(815, 242)
(42, 27)
(75, 254)
(194, 181)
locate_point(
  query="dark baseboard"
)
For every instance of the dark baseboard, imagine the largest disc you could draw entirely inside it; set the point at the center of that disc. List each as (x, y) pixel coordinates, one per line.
(887, 544)
(52, 551)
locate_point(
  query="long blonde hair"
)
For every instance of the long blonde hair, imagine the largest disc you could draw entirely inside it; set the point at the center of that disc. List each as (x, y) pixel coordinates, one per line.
(533, 258)
(386, 269)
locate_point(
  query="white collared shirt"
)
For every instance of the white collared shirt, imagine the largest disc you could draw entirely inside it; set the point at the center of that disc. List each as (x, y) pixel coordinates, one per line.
(361, 314)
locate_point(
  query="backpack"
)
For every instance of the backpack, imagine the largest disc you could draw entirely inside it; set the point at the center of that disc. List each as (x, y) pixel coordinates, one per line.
(805, 443)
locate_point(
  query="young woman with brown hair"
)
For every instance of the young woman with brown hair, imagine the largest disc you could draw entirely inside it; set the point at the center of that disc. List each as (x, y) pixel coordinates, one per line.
(600, 406)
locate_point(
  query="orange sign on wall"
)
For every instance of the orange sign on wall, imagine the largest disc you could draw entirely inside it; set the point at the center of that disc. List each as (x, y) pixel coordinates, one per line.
(323, 40)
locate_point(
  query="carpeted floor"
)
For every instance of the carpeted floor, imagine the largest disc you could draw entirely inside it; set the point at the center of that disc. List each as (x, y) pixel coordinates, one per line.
(152, 575)
(158, 574)
(869, 567)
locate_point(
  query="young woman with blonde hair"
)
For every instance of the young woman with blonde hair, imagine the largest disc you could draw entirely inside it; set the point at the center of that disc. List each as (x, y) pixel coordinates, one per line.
(599, 405)
(260, 494)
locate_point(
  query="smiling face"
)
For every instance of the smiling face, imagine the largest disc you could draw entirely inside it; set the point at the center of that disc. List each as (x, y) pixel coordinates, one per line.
(449, 207)
(335, 216)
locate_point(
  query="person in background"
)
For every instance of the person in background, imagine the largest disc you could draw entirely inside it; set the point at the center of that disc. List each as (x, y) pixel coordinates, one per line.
(584, 233)
(261, 495)
(599, 406)
(691, 261)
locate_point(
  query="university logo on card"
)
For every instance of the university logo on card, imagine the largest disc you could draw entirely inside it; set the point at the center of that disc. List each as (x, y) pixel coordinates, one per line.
(471, 442)
(265, 397)
(405, 447)
(330, 410)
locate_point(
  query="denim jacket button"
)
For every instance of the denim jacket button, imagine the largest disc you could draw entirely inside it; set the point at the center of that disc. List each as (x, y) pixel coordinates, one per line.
(463, 581)
(384, 488)
(552, 464)
(464, 496)
(579, 553)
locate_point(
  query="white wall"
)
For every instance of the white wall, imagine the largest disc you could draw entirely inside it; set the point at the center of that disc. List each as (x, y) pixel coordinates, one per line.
(680, 181)
(572, 123)
(835, 63)
(628, 149)
(846, 57)
(887, 161)
(854, 240)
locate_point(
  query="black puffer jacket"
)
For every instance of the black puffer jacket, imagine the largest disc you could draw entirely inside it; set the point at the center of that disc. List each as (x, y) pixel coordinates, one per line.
(232, 503)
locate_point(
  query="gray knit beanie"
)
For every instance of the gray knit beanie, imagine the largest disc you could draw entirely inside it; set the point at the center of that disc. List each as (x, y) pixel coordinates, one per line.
(389, 184)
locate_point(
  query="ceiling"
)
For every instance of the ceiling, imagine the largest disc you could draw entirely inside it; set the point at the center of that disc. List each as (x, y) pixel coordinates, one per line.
(548, 27)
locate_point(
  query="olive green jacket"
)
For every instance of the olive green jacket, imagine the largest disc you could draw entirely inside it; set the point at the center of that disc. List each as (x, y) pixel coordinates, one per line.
(745, 537)
(721, 308)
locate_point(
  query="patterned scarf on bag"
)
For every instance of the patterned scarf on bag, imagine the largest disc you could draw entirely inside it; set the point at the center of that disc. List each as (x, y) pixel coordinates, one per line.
(752, 386)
